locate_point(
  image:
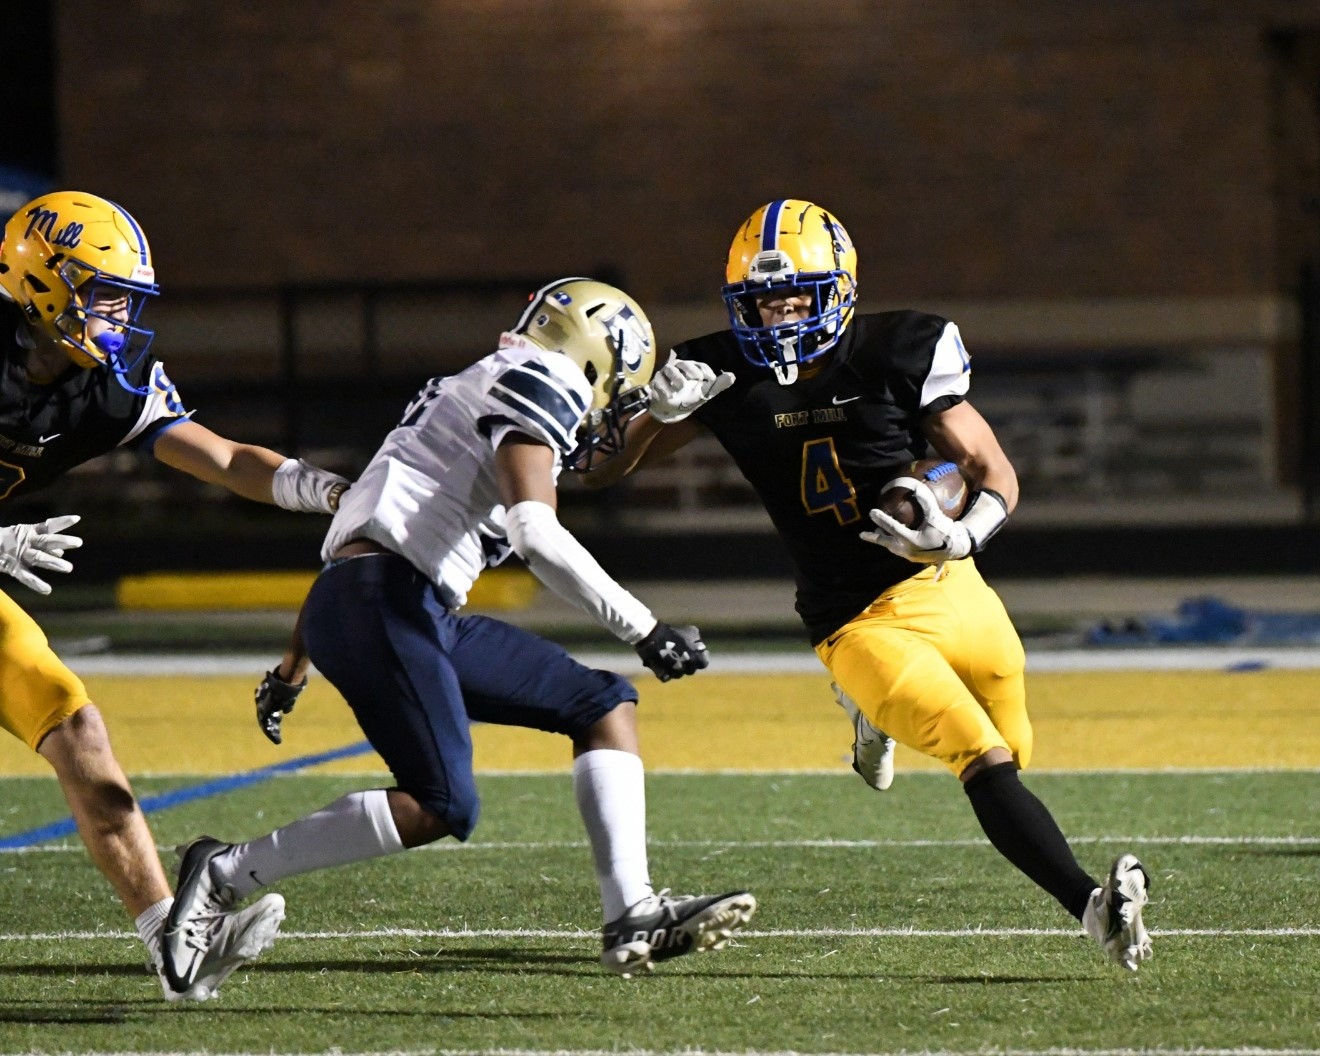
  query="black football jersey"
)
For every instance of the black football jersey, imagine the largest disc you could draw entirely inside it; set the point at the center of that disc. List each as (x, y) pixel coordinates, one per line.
(46, 430)
(818, 451)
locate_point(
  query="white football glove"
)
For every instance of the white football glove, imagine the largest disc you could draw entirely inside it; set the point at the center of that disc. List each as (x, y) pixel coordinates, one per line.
(304, 488)
(24, 547)
(940, 538)
(683, 385)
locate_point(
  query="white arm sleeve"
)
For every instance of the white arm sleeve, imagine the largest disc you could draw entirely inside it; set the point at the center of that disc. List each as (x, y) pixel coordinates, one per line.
(564, 565)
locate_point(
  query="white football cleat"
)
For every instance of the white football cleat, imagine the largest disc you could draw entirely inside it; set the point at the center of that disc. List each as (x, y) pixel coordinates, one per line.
(241, 937)
(873, 750)
(1113, 915)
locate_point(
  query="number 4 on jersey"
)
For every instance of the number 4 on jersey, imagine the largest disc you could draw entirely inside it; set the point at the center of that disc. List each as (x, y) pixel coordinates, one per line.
(824, 487)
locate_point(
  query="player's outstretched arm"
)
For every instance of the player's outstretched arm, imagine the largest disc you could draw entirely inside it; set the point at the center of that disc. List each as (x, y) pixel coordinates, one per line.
(525, 471)
(646, 442)
(256, 473)
(678, 388)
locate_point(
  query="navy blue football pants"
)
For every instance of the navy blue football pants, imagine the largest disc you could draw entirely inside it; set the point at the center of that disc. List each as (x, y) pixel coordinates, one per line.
(416, 677)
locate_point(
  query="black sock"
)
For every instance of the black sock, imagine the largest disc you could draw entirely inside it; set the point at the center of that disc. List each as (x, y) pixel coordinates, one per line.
(1025, 833)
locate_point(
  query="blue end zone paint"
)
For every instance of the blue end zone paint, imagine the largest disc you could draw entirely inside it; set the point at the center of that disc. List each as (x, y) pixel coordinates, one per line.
(206, 789)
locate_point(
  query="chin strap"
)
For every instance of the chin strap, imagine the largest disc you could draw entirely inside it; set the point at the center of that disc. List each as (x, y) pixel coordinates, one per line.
(787, 372)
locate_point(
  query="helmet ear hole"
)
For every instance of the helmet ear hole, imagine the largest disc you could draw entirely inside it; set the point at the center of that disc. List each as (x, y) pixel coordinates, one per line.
(592, 374)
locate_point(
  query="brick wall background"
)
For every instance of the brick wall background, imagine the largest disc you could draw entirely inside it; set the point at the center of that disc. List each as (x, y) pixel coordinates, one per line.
(1025, 148)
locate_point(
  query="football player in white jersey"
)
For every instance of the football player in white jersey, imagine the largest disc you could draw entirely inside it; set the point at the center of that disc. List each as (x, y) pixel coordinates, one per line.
(469, 474)
(78, 380)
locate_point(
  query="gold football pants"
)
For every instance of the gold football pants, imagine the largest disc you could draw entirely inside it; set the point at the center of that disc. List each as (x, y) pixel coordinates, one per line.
(37, 692)
(937, 664)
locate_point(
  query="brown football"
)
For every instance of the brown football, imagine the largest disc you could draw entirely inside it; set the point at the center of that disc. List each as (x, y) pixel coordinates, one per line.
(944, 480)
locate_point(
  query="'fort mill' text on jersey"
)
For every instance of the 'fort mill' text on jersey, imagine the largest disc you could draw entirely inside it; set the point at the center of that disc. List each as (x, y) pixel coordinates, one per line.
(818, 451)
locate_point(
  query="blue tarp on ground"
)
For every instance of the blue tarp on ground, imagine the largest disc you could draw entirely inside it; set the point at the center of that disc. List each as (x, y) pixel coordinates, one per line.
(1211, 621)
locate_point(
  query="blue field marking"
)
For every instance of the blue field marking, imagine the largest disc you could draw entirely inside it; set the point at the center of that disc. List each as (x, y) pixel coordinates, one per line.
(151, 804)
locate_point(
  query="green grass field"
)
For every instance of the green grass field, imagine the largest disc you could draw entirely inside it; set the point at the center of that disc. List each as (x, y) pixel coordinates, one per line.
(887, 925)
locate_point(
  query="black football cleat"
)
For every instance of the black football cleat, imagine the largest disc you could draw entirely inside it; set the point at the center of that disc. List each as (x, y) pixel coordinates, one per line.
(665, 926)
(197, 914)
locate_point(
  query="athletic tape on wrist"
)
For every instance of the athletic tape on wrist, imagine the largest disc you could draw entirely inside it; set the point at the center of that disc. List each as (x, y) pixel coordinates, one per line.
(985, 515)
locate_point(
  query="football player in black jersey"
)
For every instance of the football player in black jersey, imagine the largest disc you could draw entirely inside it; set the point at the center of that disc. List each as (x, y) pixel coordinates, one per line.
(78, 380)
(823, 408)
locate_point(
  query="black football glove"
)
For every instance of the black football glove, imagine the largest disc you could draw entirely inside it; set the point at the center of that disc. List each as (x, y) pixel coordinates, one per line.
(672, 652)
(275, 699)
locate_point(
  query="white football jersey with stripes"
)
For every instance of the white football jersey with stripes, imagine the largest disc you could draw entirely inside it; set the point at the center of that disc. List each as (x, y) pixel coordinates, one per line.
(430, 492)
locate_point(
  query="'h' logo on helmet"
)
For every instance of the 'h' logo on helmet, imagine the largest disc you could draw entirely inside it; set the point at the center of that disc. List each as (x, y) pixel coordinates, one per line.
(629, 336)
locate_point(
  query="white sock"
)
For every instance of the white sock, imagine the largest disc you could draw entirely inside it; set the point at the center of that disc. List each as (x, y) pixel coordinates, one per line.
(353, 828)
(611, 796)
(148, 924)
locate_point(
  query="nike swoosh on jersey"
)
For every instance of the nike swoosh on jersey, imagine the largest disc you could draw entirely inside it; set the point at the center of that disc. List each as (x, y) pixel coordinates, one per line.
(847, 399)
(48, 439)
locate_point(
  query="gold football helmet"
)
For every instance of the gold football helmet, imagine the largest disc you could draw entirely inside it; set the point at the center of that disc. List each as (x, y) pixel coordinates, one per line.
(79, 268)
(792, 246)
(606, 333)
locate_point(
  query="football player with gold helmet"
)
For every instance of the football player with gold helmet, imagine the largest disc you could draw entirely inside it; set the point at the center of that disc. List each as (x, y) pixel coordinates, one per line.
(79, 380)
(824, 407)
(469, 475)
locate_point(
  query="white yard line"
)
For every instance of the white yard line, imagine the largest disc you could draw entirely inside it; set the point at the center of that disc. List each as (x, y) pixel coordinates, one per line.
(839, 772)
(1244, 1051)
(823, 844)
(778, 933)
(798, 661)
